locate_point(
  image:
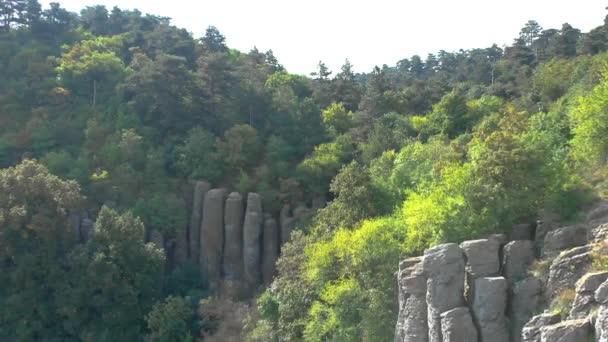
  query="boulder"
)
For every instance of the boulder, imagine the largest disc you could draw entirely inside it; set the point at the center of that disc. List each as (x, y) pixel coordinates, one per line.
(232, 265)
(457, 326)
(584, 301)
(301, 212)
(531, 331)
(212, 236)
(567, 331)
(567, 268)
(412, 325)
(523, 231)
(270, 248)
(194, 229)
(548, 221)
(252, 233)
(525, 297)
(482, 257)
(563, 238)
(517, 258)
(489, 307)
(601, 324)
(444, 267)
(601, 293)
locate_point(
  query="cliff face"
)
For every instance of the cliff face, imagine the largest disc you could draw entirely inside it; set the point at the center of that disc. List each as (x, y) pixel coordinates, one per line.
(500, 289)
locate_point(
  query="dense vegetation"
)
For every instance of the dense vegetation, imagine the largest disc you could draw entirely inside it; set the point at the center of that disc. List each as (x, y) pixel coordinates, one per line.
(114, 112)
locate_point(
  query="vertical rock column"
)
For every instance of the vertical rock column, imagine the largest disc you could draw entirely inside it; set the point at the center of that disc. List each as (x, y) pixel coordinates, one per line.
(601, 322)
(252, 232)
(200, 190)
(270, 248)
(412, 325)
(524, 291)
(486, 293)
(212, 236)
(232, 266)
(444, 266)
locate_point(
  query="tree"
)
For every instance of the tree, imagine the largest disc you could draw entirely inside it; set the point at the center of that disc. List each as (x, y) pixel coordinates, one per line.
(170, 320)
(322, 73)
(35, 236)
(114, 281)
(566, 42)
(94, 63)
(11, 13)
(197, 157)
(239, 147)
(214, 41)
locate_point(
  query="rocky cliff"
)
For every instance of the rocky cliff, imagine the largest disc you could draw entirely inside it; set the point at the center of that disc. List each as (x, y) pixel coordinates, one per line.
(539, 284)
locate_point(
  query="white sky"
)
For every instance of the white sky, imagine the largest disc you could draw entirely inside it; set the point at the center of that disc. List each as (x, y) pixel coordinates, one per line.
(367, 32)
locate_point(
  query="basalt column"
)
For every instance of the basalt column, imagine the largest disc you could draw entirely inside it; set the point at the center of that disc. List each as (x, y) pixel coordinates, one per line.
(233, 237)
(271, 248)
(200, 190)
(252, 233)
(212, 236)
(444, 267)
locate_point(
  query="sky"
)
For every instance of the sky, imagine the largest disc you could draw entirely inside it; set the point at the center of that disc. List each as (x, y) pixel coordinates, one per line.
(368, 33)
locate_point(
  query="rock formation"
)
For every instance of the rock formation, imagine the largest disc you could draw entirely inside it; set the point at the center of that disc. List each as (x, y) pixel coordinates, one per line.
(212, 236)
(270, 248)
(234, 211)
(252, 233)
(200, 190)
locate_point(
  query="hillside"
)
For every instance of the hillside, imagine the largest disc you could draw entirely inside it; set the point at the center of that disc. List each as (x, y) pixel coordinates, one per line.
(156, 186)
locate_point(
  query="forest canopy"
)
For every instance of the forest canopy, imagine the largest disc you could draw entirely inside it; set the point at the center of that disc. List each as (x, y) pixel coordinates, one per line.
(114, 113)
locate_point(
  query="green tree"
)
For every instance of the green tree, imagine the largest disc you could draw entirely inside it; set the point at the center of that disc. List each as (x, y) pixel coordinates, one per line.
(170, 320)
(115, 280)
(35, 235)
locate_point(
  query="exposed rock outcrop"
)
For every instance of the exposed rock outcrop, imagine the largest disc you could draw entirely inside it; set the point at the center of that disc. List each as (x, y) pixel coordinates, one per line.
(518, 256)
(585, 301)
(252, 233)
(489, 307)
(234, 211)
(198, 196)
(270, 248)
(532, 330)
(287, 223)
(525, 297)
(568, 267)
(563, 238)
(567, 331)
(412, 323)
(212, 236)
(444, 266)
(457, 326)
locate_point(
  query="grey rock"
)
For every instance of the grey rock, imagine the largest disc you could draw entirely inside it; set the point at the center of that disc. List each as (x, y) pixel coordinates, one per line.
(564, 238)
(567, 331)
(232, 265)
(518, 256)
(252, 234)
(412, 325)
(568, 267)
(457, 326)
(601, 294)
(547, 222)
(301, 212)
(270, 248)
(212, 236)
(601, 324)
(489, 307)
(525, 296)
(482, 257)
(444, 267)
(194, 228)
(584, 301)
(532, 330)
(180, 250)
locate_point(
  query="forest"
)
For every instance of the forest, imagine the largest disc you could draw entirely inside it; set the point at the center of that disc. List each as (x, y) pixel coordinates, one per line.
(114, 113)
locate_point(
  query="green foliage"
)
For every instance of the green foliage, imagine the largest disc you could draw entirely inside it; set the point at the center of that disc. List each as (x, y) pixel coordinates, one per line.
(114, 281)
(239, 147)
(336, 119)
(170, 320)
(197, 157)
